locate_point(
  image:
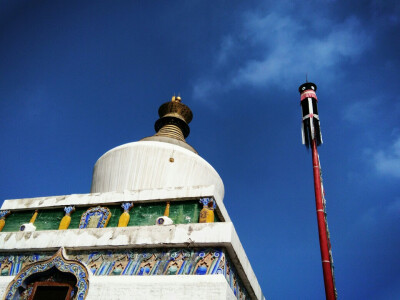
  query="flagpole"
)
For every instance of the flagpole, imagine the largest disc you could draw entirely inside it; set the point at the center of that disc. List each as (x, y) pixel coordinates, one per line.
(311, 135)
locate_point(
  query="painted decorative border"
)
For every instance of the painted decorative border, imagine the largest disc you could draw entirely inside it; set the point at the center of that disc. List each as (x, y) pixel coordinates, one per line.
(143, 262)
(58, 261)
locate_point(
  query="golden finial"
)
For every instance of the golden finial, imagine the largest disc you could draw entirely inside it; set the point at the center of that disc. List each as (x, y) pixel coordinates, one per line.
(176, 99)
(173, 123)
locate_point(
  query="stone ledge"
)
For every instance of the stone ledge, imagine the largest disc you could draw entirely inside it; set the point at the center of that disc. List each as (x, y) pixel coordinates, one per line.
(183, 235)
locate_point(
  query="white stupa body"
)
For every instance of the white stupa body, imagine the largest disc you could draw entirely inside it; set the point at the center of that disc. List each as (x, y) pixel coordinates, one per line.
(148, 165)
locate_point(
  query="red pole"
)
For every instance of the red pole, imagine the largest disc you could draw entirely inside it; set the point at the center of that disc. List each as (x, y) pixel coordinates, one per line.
(324, 243)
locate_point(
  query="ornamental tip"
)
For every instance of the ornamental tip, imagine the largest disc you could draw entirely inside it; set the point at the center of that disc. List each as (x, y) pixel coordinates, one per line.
(307, 86)
(176, 99)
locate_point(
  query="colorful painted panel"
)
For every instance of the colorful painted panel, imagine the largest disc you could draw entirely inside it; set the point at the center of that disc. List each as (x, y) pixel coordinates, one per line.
(141, 262)
(143, 214)
(96, 217)
(11, 264)
(153, 262)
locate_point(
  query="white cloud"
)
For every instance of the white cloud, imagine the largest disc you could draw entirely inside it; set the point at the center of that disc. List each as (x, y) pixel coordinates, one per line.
(204, 89)
(293, 49)
(361, 111)
(274, 48)
(387, 162)
(227, 47)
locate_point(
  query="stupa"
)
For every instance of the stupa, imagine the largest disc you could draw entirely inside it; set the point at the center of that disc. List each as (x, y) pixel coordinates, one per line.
(154, 226)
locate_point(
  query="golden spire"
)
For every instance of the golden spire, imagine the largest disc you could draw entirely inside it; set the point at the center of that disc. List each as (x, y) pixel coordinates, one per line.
(174, 119)
(172, 126)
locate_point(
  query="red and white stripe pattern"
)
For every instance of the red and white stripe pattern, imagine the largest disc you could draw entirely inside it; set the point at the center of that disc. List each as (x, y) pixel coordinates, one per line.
(308, 94)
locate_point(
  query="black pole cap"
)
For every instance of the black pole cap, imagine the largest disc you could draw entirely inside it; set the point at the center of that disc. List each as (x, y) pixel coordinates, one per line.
(307, 86)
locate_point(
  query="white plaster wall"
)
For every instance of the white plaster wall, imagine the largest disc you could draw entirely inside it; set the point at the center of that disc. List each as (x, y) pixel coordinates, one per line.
(4, 281)
(205, 287)
(177, 287)
(147, 165)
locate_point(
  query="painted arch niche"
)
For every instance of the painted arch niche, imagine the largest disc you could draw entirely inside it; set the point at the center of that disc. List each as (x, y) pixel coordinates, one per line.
(55, 278)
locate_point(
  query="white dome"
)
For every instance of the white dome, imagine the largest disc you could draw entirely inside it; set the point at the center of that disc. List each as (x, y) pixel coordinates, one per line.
(152, 165)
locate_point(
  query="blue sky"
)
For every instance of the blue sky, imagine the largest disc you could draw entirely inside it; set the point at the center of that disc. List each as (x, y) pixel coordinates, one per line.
(81, 77)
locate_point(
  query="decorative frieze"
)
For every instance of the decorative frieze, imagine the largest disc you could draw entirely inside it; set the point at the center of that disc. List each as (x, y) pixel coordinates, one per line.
(73, 217)
(140, 262)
